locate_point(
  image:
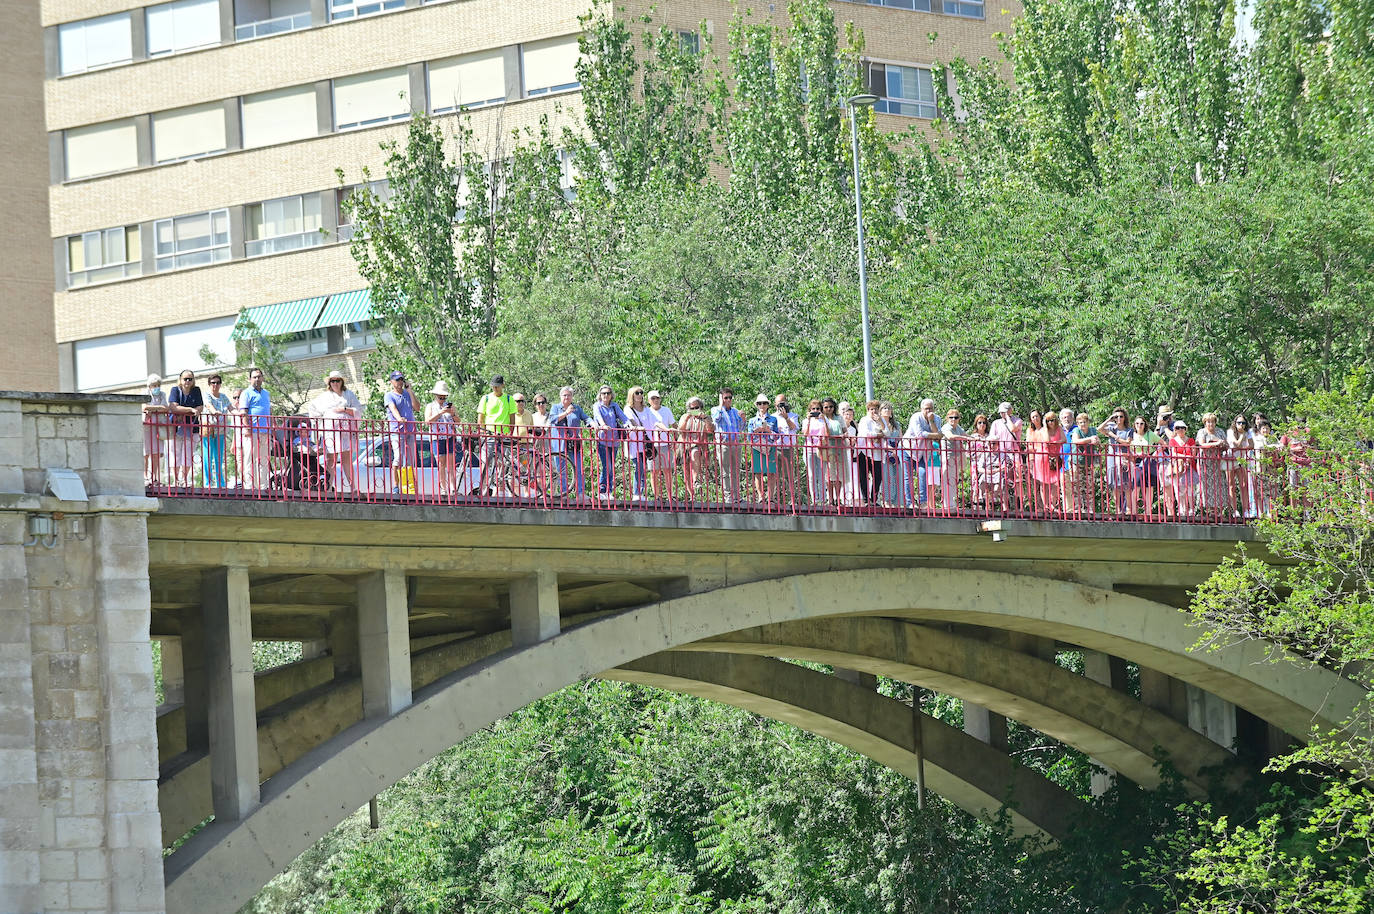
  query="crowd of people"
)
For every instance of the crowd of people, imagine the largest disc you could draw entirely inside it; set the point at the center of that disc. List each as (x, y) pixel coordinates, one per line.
(1054, 462)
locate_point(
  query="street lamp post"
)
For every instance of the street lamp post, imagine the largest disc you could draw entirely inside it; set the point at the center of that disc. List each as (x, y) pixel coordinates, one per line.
(854, 103)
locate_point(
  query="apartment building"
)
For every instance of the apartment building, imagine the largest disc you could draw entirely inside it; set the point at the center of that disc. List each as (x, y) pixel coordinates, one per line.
(192, 147)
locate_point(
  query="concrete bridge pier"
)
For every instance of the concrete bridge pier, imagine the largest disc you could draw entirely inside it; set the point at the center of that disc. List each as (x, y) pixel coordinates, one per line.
(79, 825)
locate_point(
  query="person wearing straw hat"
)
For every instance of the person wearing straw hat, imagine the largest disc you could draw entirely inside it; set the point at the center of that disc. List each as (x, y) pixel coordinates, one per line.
(441, 418)
(337, 410)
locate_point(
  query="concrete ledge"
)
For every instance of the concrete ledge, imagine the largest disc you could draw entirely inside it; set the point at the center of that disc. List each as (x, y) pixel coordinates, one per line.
(52, 396)
(819, 522)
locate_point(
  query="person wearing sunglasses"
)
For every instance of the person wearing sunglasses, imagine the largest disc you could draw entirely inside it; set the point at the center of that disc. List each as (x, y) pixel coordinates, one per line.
(184, 406)
(729, 427)
(1240, 464)
(986, 464)
(763, 452)
(336, 412)
(1116, 434)
(953, 458)
(212, 430)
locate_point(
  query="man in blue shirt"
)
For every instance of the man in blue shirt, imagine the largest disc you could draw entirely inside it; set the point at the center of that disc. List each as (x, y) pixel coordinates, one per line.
(400, 406)
(565, 443)
(729, 427)
(255, 442)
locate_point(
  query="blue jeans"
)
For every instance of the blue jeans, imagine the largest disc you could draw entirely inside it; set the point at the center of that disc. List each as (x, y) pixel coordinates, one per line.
(212, 460)
(573, 459)
(605, 455)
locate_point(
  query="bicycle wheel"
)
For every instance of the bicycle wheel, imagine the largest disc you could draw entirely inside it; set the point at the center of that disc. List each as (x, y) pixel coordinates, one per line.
(547, 478)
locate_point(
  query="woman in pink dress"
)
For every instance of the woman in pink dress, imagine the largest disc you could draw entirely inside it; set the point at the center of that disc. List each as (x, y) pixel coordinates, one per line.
(1047, 462)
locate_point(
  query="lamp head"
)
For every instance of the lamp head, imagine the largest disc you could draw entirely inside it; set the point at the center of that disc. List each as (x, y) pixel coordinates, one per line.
(864, 100)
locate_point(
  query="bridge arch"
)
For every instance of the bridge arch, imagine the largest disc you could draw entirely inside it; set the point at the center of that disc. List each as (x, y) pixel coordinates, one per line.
(228, 861)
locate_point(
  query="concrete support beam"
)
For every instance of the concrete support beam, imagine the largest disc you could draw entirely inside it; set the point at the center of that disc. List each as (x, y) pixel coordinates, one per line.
(343, 641)
(985, 726)
(232, 712)
(1111, 672)
(534, 608)
(1164, 693)
(1213, 717)
(384, 642)
(173, 672)
(858, 677)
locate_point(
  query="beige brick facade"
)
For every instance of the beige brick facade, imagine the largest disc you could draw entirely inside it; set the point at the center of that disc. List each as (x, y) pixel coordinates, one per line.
(409, 37)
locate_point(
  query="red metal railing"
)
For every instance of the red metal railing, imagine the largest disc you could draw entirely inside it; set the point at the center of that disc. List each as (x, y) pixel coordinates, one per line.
(304, 459)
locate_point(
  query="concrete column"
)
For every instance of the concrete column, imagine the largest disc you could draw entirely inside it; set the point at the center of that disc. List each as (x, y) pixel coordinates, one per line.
(20, 818)
(1164, 694)
(324, 107)
(233, 125)
(233, 715)
(1110, 671)
(986, 726)
(173, 672)
(419, 88)
(143, 135)
(534, 608)
(1213, 717)
(195, 683)
(384, 642)
(343, 642)
(152, 345)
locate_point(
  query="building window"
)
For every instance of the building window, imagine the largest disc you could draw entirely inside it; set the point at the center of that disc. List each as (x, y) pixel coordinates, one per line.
(100, 149)
(363, 335)
(920, 5)
(191, 241)
(304, 343)
(182, 26)
(345, 219)
(352, 9)
(971, 9)
(94, 43)
(183, 345)
(188, 133)
(549, 66)
(111, 361)
(279, 116)
(908, 91)
(260, 18)
(469, 81)
(371, 98)
(113, 253)
(689, 41)
(287, 224)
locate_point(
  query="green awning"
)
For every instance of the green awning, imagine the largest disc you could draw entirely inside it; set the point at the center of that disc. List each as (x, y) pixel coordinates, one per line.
(346, 308)
(282, 318)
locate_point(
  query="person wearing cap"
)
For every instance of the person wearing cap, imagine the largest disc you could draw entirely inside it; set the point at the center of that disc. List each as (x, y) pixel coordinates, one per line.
(659, 421)
(1006, 433)
(494, 412)
(441, 419)
(763, 452)
(338, 410)
(401, 407)
(255, 408)
(154, 420)
(728, 425)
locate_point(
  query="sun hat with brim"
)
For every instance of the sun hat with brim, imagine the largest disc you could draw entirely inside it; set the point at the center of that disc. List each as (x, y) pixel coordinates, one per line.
(1180, 424)
(335, 375)
(1004, 407)
(653, 394)
(1165, 410)
(439, 388)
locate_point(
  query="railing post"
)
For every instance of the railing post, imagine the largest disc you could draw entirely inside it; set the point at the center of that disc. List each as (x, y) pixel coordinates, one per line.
(233, 719)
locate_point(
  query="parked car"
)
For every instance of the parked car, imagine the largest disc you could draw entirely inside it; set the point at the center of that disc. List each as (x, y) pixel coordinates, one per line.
(374, 472)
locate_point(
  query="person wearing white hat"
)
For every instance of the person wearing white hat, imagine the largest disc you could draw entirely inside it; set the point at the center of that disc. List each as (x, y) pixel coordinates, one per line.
(154, 419)
(659, 421)
(441, 419)
(1006, 432)
(338, 410)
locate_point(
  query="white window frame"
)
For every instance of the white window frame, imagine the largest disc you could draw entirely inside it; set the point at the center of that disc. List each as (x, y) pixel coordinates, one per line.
(291, 241)
(179, 48)
(965, 9)
(173, 260)
(110, 270)
(926, 110)
(71, 28)
(340, 10)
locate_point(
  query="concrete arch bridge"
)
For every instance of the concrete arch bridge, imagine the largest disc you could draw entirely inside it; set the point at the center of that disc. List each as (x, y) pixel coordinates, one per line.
(422, 625)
